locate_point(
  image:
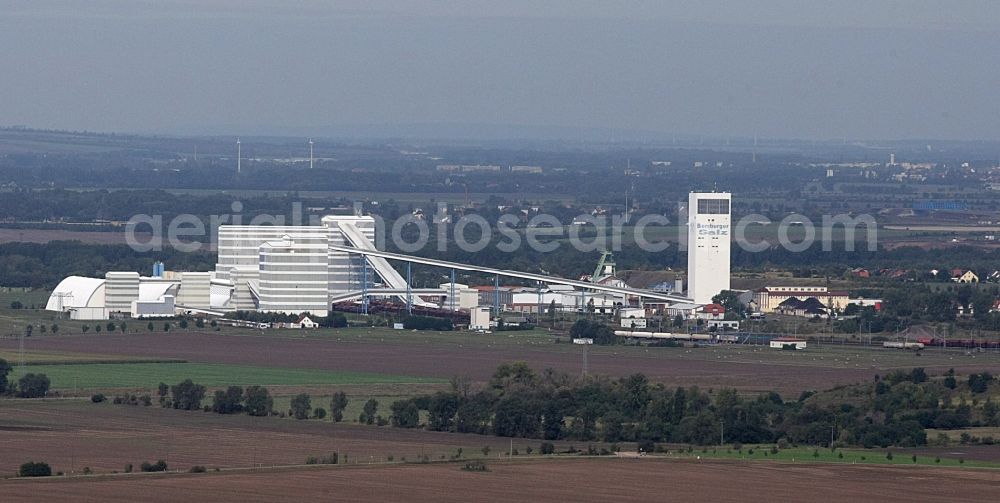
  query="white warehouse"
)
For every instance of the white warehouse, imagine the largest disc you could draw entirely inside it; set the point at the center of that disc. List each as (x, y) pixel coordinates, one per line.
(288, 269)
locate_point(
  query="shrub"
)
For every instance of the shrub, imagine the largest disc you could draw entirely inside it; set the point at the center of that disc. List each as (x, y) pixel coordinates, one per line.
(645, 446)
(301, 406)
(32, 385)
(427, 323)
(258, 401)
(229, 401)
(97, 398)
(159, 466)
(319, 412)
(337, 405)
(888, 456)
(332, 459)
(34, 469)
(187, 395)
(128, 468)
(475, 466)
(546, 448)
(197, 469)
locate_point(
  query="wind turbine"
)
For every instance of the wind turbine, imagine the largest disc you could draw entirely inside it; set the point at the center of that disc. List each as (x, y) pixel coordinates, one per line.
(239, 155)
(310, 153)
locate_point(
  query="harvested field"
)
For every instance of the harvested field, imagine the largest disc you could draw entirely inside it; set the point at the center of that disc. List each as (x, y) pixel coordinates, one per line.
(103, 376)
(746, 368)
(86, 237)
(645, 479)
(73, 434)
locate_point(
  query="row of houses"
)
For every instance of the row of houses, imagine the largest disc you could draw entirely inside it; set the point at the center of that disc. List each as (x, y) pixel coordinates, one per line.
(956, 275)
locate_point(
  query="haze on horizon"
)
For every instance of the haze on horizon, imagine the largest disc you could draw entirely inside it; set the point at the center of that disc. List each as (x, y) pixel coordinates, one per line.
(774, 68)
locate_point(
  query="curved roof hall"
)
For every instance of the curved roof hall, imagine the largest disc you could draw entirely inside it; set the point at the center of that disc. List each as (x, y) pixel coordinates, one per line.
(76, 291)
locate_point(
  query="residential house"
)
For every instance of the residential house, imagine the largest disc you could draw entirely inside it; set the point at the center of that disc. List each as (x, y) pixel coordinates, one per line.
(769, 298)
(964, 276)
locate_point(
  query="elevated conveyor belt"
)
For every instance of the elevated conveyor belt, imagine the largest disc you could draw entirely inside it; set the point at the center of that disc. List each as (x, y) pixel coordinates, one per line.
(670, 298)
(389, 275)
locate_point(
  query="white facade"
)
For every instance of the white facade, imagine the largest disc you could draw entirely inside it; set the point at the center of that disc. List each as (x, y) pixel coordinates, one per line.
(195, 290)
(121, 288)
(293, 275)
(468, 298)
(244, 285)
(479, 318)
(239, 245)
(268, 275)
(709, 242)
(162, 307)
(88, 313)
(77, 292)
(346, 271)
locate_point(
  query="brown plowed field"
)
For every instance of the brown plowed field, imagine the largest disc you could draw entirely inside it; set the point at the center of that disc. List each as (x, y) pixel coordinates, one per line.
(87, 237)
(73, 434)
(597, 480)
(410, 355)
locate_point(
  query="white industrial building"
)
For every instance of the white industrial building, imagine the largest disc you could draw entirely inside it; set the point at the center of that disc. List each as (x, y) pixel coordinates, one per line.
(288, 269)
(306, 269)
(293, 275)
(479, 318)
(709, 242)
(195, 289)
(124, 293)
(162, 307)
(120, 289)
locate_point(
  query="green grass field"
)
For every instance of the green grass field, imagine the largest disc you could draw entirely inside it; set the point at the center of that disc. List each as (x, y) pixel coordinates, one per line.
(99, 376)
(26, 297)
(822, 455)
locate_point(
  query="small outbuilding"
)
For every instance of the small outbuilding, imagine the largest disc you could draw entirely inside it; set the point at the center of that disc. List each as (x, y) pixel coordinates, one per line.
(788, 343)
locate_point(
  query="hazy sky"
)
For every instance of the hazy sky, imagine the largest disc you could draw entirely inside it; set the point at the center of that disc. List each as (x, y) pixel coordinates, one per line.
(791, 69)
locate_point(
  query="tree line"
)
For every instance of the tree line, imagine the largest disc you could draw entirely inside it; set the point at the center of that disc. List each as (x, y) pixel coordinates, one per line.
(518, 402)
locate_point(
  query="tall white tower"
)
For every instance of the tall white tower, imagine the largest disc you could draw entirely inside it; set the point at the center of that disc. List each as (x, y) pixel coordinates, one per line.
(239, 155)
(310, 153)
(709, 241)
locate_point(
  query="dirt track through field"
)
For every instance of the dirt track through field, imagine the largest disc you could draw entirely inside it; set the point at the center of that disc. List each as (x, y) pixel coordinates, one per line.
(597, 480)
